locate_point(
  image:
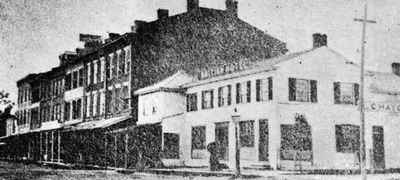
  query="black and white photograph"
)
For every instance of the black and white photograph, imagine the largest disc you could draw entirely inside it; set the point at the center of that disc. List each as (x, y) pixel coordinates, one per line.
(200, 89)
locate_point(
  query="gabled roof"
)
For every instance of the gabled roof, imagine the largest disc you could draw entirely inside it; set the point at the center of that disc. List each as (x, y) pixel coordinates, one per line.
(172, 83)
(265, 65)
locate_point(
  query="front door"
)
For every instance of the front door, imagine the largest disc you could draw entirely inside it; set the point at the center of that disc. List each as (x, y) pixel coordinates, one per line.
(263, 140)
(221, 139)
(378, 147)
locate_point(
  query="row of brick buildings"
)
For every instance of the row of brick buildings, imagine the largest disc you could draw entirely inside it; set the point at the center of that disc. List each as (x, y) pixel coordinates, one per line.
(84, 110)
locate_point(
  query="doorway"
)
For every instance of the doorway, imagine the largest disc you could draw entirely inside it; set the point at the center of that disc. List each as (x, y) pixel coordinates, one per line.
(378, 147)
(221, 139)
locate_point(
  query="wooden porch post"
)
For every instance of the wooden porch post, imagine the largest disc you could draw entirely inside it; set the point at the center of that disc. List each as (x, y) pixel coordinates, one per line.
(105, 150)
(59, 147)
(47, 146)
(52, 146)
(115, 150)
(126, 149)
(40, 146)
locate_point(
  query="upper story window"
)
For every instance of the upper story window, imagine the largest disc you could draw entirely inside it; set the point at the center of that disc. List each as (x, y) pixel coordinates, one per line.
(114, 62)
(302, 90)
(207, 99)
(81, 77)
(128, 61)
(108, 68)
(225, 95)
(74, 79)
(121, 67)
(243, 92)
(191, 102)
(345, 93)
(264, 89)
(98, 73)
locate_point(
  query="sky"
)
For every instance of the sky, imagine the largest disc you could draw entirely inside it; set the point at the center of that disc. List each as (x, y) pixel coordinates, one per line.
(34, 32)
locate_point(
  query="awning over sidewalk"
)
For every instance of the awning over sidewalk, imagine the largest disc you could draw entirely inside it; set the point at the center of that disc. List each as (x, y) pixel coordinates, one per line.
(99, 123)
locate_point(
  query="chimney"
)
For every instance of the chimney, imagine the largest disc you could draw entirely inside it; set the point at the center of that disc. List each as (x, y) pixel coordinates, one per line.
(138, 26)
(192, 4)
(232, 7)
(319, 40)
(396, 68)
(162, 13)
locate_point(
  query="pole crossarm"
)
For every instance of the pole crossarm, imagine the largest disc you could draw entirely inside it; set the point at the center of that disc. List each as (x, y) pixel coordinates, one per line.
(366, 20)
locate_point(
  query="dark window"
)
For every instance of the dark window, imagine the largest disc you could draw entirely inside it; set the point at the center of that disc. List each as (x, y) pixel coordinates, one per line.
(114, 65)
(98, 104)
(207, 99)
(98, 71)
(238, 93)
(128, 61)
(198, 137)
(78, 108)
(67, 111)
(296, 140)
(121, 69)
(302, 90)
(67, 85)
(345, 93)
(191, 102)
(347, 138)
(81, 77)
(221, 98)
(248, 91)
(171, 146)
(125, 97)
(229, 96)
(74, 79)
(91, 105)
(107, 68)
(91, 73)
(246, 129)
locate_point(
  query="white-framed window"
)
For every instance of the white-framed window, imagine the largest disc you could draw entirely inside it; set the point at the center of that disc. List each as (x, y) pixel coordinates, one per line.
(243, 92)
(264, 89)
(302, 90)
(191, 102)
(225, 95)
(345, 93)
(207, 99)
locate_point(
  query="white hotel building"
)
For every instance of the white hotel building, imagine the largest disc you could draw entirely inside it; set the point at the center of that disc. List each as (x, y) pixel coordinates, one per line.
(296, 111)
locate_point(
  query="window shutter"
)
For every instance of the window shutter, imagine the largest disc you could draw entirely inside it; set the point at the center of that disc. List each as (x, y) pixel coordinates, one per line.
(238, 89)
(314, 94)
(212, 98)
(270, 87)
(292, 89)
(202, 100)
(187, 102)
(229, 99)
(258, 90)
(248, 91)
(336, 92)
(356, 93)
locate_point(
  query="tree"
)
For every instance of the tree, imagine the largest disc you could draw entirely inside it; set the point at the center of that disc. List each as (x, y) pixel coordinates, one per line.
(5, 100)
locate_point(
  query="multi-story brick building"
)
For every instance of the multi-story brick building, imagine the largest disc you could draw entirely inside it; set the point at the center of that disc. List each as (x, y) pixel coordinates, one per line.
(86, 104)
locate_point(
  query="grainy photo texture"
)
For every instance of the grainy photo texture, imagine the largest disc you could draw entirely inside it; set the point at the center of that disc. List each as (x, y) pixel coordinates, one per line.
(200, 89)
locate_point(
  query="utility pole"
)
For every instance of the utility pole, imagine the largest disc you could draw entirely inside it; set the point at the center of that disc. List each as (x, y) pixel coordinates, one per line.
(361, 104)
